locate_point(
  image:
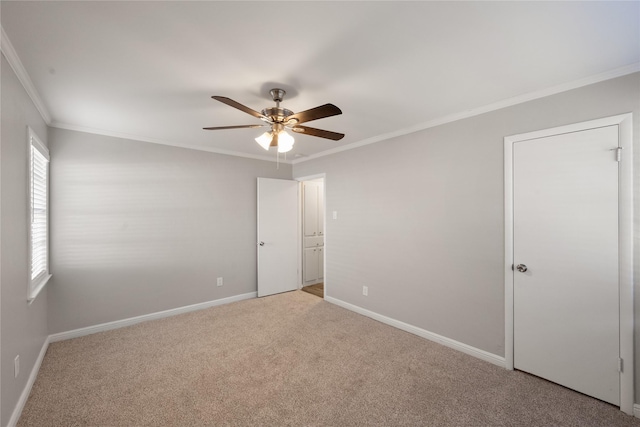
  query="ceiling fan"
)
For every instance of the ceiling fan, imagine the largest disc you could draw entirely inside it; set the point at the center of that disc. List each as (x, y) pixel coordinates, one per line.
(280, 119)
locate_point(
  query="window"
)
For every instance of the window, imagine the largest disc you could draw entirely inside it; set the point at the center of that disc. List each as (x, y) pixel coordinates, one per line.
(39, 215)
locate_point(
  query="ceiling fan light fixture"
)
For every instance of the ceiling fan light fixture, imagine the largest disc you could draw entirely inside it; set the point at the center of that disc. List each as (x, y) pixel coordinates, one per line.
(265, 140)
(285, 142)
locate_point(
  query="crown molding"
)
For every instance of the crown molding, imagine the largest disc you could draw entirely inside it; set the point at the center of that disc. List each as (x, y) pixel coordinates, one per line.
(14, 60)
(520, 99)
(120, 135)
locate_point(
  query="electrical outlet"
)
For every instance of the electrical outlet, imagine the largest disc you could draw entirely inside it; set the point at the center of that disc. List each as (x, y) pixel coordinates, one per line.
(16, 366)
(220, 282)
(335, 214)
(365, 291)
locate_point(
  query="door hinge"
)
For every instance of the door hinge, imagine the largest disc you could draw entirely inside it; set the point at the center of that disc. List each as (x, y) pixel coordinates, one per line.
(620, 365)
(618, 151)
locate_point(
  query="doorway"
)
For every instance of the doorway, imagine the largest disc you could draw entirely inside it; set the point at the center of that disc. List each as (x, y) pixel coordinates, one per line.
(568, 263)
(312, 208)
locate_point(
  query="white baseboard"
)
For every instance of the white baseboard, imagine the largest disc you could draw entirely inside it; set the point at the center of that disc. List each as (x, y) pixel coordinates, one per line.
(17, 411)
(448, 342)
(152, 316)
(636, 410)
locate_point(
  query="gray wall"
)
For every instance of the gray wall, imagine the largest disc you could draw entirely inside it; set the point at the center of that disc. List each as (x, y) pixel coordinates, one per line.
(420, 217)
(139, 228)
(23, 327)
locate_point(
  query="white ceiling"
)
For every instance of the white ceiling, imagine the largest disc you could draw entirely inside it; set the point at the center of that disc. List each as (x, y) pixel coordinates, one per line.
(147, 70)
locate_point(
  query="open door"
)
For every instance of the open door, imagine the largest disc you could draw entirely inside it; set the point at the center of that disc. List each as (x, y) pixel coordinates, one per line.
(277, 236)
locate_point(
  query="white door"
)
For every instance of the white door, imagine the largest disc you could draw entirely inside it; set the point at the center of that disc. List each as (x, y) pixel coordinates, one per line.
(277, 236)
(565, 242)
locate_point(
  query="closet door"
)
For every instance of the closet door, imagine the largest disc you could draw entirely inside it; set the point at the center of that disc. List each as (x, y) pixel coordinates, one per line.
(310, 265)
(566, 274)
(310, 209)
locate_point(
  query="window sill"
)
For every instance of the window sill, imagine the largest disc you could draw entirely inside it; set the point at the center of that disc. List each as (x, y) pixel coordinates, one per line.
(37, 286)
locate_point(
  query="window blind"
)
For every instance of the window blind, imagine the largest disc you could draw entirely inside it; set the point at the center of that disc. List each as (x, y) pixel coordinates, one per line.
(39, 235)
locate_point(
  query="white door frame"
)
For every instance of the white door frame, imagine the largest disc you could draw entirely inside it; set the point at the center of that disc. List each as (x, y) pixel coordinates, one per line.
(301, 233)
(625, 242)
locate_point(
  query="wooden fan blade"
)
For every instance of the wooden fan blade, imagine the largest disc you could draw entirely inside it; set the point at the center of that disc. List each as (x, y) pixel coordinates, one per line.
(233, 127)
(326, 110)
(318, 132)
(234, 104)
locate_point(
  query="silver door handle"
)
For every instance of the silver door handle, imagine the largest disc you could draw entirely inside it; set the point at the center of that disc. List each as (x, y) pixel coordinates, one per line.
(521, 268)
(261, 243)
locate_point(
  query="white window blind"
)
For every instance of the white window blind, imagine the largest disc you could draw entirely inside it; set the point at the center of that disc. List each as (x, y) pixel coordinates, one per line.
(39, 213)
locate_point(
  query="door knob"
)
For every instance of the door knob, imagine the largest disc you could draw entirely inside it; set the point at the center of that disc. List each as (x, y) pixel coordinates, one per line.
(261, 243)
(521, 268)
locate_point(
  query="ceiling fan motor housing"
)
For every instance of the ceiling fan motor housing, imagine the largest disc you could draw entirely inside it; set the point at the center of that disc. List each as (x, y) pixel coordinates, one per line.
(277, 114)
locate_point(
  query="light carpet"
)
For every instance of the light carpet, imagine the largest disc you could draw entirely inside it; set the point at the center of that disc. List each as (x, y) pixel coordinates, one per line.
(289, 360)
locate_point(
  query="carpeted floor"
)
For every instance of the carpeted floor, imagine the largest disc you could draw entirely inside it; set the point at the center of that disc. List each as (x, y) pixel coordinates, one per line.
(289, 360)
(317, 289)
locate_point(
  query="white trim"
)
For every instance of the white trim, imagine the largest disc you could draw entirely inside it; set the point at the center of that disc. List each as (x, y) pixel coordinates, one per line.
(300, 234)
(146, 317)
(625, 123)
(35, 286)
(636, 410)
(626, 232)
(611, 74)
(121, 135)
(0, 256)
(508, 254)
(14, 61)
(24, 396)
(37, 142)
(448, 342)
